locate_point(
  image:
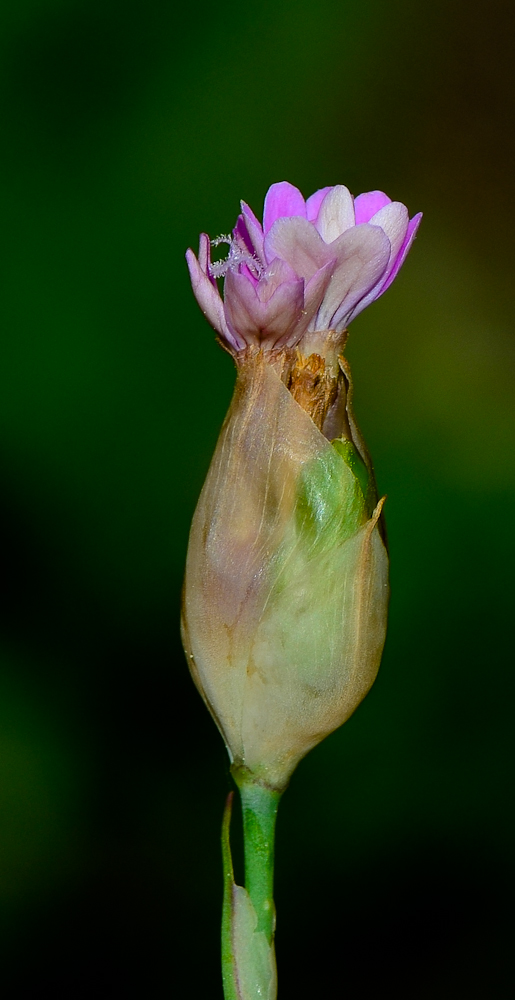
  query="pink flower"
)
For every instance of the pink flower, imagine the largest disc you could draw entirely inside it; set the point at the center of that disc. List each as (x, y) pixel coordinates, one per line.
(312, 266)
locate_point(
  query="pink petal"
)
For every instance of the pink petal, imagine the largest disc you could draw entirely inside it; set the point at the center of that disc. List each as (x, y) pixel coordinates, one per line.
(256, 322)
(366, 205)
(297, 242)
(242, 238)
(282, 201)
(209, 300)
(254, 230)
(363, 254)
(241, 234)
(276, 274)
(314, 201)
(204, 255)
(393, 219)
(336, 213)
(245, 269)
(316, 289)
(401, 257)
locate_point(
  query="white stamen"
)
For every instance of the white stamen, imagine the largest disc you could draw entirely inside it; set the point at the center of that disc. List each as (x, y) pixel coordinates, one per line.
(238, 254)
(221, 239)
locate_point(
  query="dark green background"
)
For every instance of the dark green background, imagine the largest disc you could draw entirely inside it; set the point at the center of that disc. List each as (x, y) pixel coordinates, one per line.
(127, 128)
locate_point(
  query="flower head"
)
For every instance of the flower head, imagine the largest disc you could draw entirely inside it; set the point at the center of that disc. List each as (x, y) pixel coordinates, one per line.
(312, 266)
(286, 588)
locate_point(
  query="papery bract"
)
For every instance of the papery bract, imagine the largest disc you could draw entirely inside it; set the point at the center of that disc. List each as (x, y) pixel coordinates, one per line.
(286, 585)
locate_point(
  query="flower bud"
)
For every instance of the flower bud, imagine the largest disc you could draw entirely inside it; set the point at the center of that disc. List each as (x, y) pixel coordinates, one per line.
(286, 587)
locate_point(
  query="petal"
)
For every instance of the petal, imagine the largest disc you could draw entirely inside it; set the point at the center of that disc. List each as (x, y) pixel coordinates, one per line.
(363, 254)
(276, 274)
(393, 219)
(297, 242)
(401, 256)
(245, 269)
(209, 300)
(314, 201)
(257, 322)
(242, 236)
(243, 241)
(282, 201)
(316, 289)
(204, 255)
(336, 213)
(254, 229)
(366, 205)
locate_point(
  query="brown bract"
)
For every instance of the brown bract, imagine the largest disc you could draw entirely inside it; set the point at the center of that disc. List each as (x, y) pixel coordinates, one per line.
(317, 376)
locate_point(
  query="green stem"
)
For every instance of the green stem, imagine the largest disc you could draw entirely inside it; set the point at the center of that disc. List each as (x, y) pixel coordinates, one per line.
(259, 805)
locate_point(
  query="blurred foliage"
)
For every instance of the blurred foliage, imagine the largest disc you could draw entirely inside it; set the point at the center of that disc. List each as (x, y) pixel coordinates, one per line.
(127, 129)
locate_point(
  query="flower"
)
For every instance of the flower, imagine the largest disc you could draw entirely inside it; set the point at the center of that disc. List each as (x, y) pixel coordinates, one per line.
(312, 266)
(286, 586)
